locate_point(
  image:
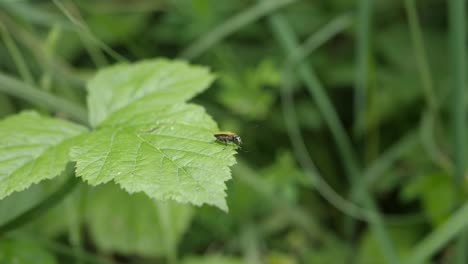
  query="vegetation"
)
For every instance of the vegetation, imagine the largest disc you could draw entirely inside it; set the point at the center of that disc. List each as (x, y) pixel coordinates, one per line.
(352, 116)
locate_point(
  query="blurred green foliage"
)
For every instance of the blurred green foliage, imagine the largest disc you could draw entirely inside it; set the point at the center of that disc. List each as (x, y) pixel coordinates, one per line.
(276, 212)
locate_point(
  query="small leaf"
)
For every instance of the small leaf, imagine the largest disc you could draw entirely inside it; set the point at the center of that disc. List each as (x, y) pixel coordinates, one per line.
(255, 100)
(435, 192)
(166, 151)
(33, 148)
(115, 87)
(138, 225)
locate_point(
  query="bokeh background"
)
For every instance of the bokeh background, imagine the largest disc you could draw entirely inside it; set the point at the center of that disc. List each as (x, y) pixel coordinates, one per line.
(352, 115)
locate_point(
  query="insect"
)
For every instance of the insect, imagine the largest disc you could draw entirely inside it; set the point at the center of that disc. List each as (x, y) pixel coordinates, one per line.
(228, 137)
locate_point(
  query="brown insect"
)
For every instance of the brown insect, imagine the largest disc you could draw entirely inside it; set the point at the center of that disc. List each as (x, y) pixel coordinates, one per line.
(228, 137)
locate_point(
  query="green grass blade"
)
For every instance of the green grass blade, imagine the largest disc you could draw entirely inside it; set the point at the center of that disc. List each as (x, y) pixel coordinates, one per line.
(14, 87)
(300, 151)
(231, 25)
(319, 38)
(420, 54)
(84, 32)
(288, 41)
(458, 43)
(362, 62)
(61, 69)
(16, 55)
(456, 224)
(32, 14)
(440, 237)
(386, 160)
(316, 40)
(457, 28)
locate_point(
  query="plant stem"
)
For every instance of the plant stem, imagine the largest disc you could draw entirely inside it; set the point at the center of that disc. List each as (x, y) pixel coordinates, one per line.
(250, 244)
(165, 218)
(74, 215)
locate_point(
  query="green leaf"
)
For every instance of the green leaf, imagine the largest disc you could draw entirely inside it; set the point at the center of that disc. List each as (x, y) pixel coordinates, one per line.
(33, 148)
(436, 194)
(149, 140)
(213, 259)
(284, 177)
(138, 225)
(256, 100)
(22, 252)
(166, 151)
(115, 87)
